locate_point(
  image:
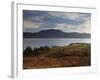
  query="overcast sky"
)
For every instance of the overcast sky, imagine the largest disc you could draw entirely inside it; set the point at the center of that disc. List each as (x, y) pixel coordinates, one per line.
(34, 21)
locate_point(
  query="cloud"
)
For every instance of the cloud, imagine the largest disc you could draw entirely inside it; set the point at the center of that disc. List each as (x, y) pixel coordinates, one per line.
(30, 24)
(66, 21)
(54, 17)
(82, 28)
(86, 27)
(69, 15)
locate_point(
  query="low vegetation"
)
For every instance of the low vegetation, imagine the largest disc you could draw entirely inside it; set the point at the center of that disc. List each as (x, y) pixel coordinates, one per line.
(75, 54)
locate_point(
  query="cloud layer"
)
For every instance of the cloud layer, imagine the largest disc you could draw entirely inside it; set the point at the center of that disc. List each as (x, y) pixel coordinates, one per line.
(34, 21)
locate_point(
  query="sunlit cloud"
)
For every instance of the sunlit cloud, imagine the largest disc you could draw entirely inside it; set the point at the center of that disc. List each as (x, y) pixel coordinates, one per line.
(34, 21)
(69, 15)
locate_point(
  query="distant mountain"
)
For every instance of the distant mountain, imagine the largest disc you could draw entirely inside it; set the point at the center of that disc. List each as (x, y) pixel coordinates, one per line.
(52, 33)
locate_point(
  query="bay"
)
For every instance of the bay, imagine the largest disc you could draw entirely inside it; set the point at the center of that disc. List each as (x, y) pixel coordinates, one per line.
(38, 42)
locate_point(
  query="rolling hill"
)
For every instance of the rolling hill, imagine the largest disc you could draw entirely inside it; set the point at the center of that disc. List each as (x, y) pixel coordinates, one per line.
(52, 33)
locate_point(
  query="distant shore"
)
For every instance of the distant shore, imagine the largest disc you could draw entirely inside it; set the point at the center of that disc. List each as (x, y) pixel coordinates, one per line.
(72, 55)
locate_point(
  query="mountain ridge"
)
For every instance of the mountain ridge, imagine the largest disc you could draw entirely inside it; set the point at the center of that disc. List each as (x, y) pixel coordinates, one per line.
(52, 33)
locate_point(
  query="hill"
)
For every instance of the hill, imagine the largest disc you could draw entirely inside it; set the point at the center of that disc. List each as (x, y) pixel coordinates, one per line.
(52, 33)
(73, 55)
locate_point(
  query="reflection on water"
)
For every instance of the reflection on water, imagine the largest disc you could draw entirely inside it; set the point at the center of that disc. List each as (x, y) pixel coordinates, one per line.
(37, 42)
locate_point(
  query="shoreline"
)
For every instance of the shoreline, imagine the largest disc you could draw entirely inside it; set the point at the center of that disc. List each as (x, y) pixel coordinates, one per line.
(72, 55)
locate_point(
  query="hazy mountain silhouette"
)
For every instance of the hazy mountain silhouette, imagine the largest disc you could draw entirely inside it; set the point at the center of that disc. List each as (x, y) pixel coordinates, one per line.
(52, 33)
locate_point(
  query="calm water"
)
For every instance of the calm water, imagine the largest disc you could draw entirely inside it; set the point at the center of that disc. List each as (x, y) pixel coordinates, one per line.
(34, 42)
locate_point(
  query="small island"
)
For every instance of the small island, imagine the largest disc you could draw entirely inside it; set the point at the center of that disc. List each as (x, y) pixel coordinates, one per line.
(72, 55)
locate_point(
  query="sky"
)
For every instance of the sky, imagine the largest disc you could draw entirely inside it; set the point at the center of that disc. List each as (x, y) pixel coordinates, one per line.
(34, 21)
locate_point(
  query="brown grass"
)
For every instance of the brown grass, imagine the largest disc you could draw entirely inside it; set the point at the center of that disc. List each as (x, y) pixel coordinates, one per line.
(76, 54)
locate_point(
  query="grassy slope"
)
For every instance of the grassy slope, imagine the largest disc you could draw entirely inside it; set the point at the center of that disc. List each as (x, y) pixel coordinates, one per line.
(75, 54)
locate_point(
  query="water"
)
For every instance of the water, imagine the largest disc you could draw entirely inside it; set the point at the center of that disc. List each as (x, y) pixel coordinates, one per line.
(38, 42)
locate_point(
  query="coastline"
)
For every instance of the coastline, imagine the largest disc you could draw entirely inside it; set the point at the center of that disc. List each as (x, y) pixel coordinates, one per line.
(72, 55)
